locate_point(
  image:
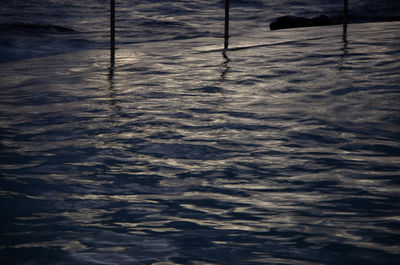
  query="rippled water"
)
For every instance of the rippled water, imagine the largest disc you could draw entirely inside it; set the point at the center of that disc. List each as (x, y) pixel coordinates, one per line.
(153, 20)
(283, 150)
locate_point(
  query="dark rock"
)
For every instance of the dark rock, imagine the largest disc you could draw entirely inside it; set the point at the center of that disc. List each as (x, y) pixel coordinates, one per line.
(298, 22)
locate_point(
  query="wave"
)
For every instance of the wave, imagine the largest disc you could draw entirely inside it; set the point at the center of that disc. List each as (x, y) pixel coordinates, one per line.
(34, 27)
(20, 41)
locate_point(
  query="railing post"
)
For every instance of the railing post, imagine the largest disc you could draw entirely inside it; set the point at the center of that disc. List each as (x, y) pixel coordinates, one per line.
(226, 24)
(345, 15)
(112, 29)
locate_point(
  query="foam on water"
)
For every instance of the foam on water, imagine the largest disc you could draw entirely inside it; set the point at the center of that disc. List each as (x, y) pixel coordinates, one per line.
(283, 150)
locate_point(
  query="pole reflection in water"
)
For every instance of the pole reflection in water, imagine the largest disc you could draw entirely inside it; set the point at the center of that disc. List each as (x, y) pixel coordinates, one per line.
(345, 44)
(111, 88)
(225, 65)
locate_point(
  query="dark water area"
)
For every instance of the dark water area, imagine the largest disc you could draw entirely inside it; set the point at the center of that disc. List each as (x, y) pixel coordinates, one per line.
(282, 150)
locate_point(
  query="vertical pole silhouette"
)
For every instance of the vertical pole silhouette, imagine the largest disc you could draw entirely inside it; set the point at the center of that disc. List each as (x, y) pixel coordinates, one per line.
(112, 30)
(345, 15)
(226, 24)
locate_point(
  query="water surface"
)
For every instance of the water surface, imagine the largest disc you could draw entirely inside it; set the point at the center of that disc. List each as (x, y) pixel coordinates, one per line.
(283, 150)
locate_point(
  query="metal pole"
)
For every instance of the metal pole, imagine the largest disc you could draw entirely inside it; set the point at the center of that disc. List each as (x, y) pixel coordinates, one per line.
(345, 15)
(112, 29)
(226, 24)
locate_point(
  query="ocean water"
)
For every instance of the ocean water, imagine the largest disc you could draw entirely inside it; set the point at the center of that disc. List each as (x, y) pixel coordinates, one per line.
(283, 149)
(147, 21)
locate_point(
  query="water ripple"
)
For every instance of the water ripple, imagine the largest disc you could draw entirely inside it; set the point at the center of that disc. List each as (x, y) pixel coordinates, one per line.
(288, 156)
